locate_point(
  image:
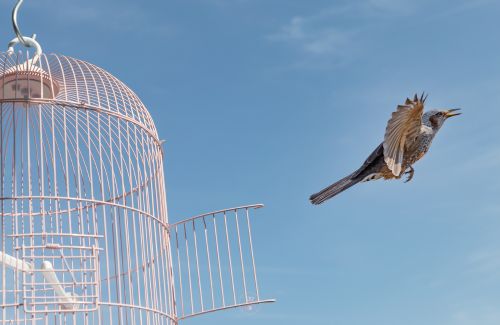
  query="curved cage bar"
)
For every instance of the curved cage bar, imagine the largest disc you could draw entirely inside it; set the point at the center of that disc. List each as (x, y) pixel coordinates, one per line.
(59, 79)
(84, 237)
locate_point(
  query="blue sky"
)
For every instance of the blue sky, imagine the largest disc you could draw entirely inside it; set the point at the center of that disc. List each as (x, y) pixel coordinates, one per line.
(271, 100)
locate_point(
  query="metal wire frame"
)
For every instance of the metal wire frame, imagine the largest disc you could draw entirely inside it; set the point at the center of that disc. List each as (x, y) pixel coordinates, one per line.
(84, 232)
(82, 198)
(214, 262)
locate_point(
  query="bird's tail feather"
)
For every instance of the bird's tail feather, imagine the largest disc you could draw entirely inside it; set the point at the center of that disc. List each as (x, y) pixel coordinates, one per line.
(334, 189)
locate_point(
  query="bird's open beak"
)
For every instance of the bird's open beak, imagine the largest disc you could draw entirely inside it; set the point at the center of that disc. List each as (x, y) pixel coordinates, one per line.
(451, 112)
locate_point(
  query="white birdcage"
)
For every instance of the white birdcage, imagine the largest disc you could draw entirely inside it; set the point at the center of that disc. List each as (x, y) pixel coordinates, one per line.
(85, 237)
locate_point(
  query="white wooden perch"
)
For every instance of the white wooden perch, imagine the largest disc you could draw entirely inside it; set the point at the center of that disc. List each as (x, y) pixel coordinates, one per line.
(66, 300)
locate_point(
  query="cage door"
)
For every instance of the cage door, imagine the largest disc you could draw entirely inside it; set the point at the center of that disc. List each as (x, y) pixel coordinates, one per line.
(214, 262)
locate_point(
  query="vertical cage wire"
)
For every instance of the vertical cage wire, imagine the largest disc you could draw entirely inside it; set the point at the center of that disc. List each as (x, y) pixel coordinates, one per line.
(84, 236)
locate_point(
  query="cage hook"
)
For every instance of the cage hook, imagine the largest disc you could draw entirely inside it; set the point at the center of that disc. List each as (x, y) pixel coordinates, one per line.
(24, 40)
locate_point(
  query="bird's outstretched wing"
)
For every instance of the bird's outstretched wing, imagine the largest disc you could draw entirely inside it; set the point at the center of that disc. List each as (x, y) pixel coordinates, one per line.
(402, 130)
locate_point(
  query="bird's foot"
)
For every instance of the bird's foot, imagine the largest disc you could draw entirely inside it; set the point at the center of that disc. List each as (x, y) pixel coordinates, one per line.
(410, 174)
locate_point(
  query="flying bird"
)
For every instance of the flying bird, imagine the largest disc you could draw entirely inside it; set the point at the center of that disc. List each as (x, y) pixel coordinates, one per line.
(408, 137)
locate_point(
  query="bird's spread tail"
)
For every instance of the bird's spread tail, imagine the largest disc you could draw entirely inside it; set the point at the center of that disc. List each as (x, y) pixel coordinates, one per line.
(334, 189)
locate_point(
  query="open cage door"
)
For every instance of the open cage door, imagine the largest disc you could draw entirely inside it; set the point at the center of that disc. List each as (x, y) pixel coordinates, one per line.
(214, 261)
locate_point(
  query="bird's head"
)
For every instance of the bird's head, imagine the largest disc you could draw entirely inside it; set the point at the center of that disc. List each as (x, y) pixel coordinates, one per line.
(435, 118)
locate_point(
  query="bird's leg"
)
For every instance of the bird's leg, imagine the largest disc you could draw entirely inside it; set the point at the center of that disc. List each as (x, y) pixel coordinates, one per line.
(410, 174)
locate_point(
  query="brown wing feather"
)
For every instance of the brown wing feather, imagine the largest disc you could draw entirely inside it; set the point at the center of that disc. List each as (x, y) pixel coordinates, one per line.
(402, 130)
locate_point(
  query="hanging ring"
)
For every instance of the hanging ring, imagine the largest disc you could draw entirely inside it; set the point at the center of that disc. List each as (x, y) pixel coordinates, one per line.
(28, 42)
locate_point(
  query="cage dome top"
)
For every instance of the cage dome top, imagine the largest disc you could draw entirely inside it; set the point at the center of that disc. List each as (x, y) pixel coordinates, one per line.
(61, 80)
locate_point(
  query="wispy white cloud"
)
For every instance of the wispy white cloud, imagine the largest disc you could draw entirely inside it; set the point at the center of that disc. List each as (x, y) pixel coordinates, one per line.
(322, 36)
(316, 41)
(337, 34)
